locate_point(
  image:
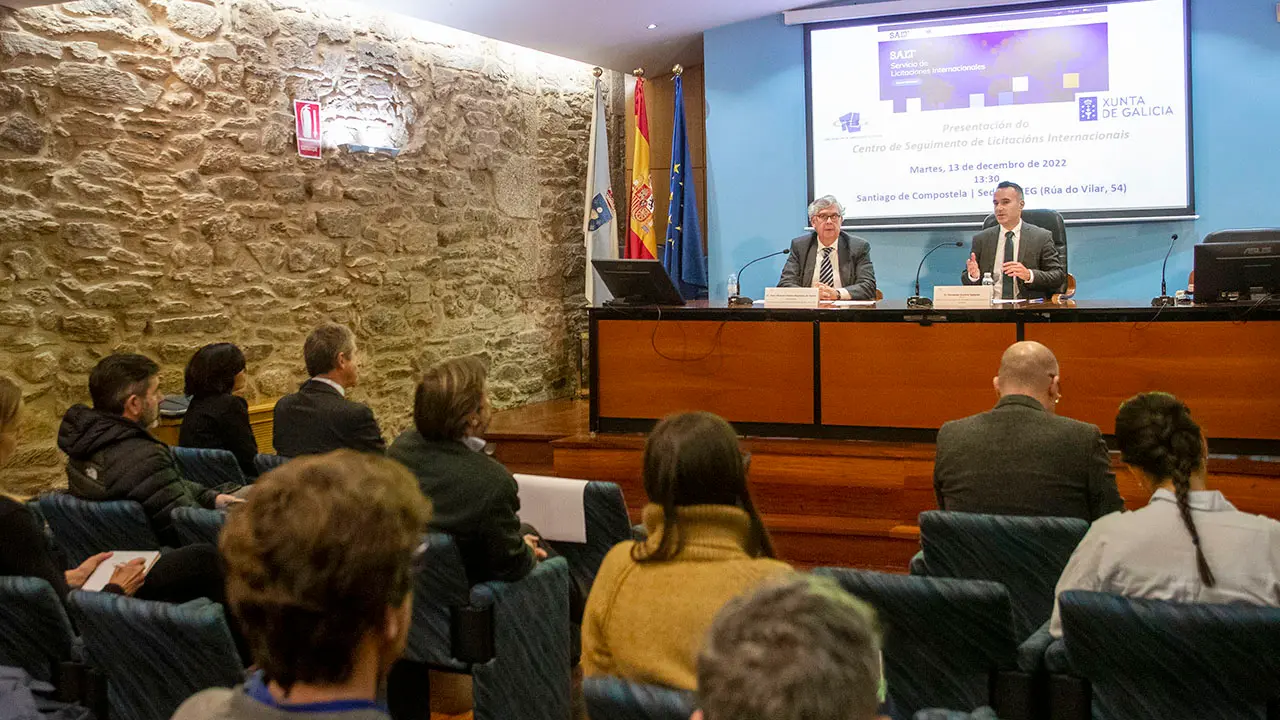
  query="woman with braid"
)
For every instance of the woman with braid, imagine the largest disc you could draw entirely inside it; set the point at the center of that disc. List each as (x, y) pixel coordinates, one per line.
(1188, 544)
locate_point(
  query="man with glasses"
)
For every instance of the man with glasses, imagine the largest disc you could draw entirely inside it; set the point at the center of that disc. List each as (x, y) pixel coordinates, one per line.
(835, 262)
(1021, 458)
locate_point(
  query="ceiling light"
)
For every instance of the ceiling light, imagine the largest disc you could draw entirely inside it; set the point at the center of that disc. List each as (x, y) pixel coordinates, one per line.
(651, 26)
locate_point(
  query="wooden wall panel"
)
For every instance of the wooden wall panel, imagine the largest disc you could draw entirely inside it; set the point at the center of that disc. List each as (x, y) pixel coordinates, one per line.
(743, 371)
(1226, 372)
(907, 375)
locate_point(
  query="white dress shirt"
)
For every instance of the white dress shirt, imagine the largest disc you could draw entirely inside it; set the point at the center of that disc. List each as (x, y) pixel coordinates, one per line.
(995, 270)
(835, 268)
(1148, 553)
(341, 391)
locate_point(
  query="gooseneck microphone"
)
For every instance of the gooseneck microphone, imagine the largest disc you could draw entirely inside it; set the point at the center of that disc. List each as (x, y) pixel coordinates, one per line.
(737, 300)
(915, 301)
(1164, 299)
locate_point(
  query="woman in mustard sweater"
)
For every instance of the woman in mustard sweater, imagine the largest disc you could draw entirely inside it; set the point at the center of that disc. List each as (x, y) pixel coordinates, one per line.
(653, 601)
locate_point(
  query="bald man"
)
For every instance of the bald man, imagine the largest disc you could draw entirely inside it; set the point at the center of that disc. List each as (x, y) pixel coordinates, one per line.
(1020, 458)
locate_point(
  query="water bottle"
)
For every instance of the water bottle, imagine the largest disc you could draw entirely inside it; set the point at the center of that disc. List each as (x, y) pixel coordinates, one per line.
(733, 284)
(989, 283)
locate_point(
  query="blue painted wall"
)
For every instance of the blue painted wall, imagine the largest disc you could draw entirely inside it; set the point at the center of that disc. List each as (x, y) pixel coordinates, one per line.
(757, 174)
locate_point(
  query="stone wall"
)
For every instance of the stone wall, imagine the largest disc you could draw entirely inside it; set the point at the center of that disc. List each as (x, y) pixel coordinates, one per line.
(152, 200)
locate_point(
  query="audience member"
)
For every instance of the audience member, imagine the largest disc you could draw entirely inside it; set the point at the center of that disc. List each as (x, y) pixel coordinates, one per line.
(473, 497)
(1188, 544)
(653, 601)
(319, 418)
(803, 649)
(177, 576)
(217, 417)
(319, 575)
(1020, 458)
(112, 454)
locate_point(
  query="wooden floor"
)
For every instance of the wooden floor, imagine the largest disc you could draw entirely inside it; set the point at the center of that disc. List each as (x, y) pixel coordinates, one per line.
(847, 503)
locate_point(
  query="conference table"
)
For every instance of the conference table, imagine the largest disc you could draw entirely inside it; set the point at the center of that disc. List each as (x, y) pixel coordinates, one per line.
(892, 373)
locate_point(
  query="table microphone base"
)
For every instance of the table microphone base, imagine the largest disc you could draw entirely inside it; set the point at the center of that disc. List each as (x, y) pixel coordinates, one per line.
(1162, 301)
(740, 301)
(915, 301)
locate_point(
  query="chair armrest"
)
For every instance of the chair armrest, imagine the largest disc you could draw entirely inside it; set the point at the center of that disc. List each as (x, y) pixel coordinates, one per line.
(918, 565)
(1056, 659)
(1031, 651)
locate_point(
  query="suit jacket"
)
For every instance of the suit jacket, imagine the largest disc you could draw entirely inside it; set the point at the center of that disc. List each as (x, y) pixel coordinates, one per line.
(1035, 250)
(857, 274)
(318, 419)
(220, 422)
(1019, 459)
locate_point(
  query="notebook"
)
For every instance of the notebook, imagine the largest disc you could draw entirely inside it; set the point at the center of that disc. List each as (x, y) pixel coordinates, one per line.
(102, 575)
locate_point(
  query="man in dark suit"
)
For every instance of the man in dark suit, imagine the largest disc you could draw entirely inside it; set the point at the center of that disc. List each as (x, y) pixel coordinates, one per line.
(1020, 257)
(1020, 458)
(319, 417)
(827, 255)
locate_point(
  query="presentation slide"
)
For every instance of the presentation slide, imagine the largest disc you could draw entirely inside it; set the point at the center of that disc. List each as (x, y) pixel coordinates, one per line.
(1084, 106)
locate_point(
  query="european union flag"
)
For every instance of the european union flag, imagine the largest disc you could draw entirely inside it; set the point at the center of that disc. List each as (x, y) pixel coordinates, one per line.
(1088, 108)
(683, 257)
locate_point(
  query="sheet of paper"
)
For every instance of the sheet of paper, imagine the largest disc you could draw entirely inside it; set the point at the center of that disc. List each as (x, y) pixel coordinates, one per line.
(102, 575)
(854, 303)
(553, 505)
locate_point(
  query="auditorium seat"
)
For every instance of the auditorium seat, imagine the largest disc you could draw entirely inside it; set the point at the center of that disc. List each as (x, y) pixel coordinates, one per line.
(209, 467)
(947, 642)
(1025, 554)
(1050, 220)
(83, 528)
(265, 463)
(613, 698)
(35, 633)
(155, 655)
(1158, 659)
(605, 512)
(513, 638)
(198, 525)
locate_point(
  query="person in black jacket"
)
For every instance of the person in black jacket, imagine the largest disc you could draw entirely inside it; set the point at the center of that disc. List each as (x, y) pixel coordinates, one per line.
(177, 576)
(473, 497)
(113, 456)
(217, 417)
(319, 418)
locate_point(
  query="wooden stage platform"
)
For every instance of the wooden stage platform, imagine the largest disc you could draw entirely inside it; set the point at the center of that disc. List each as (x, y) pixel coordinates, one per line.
(850, 503)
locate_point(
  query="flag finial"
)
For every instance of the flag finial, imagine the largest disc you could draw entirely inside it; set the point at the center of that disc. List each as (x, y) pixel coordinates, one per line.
(597, 71)
(638, 72)
(678, 70)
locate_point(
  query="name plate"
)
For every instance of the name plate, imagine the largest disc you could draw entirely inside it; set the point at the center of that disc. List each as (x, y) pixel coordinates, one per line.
(791, 297)
(961, 297)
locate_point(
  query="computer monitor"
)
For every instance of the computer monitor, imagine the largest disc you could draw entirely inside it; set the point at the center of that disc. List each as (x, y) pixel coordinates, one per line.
(1243, 235)
(1237, 271)
(637, 282)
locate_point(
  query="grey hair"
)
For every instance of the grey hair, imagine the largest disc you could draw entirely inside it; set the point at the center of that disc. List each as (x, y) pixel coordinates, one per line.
(823, 203)
(797, 648)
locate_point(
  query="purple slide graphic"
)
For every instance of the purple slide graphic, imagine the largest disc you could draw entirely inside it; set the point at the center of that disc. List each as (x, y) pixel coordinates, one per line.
(1012, 67)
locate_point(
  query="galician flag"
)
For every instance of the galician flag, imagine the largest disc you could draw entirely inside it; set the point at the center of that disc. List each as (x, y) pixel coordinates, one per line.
(683, 257)
(641, 242)
(598, 226)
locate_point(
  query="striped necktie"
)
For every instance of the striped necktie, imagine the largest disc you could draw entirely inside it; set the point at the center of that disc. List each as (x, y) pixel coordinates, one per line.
(827, 276)
(1008, 290)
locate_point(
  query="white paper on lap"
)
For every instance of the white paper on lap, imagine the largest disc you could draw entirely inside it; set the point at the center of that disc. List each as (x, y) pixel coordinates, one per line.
(553, 505)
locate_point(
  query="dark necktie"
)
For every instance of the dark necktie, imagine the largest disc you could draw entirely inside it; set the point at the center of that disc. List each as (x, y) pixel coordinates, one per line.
(1007, 291)
(827, 275)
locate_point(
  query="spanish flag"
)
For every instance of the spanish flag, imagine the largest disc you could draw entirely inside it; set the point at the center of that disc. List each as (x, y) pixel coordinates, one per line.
(641, 242)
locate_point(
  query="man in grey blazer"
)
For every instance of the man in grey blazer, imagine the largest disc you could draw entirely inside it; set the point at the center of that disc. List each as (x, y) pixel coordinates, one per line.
(1020, 458)
(835, 262)
(1021, 258)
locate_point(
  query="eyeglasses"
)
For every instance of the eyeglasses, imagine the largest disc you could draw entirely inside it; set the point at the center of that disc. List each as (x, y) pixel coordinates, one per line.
(828, 217)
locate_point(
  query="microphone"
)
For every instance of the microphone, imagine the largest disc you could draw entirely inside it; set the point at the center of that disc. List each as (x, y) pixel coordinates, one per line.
(1164, 300)
(915, 301)
(742, 300)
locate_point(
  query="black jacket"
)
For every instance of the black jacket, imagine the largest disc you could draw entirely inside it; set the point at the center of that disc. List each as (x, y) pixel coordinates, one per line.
(220, 422)
(473, 498)
(318, 419)
(24, 549)
(1018, 459)
(853, 255)
(114, 458)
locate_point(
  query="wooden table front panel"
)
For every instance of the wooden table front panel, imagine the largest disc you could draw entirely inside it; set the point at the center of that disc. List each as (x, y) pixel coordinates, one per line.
(907, 375)
(742, 371)
(1226, 372)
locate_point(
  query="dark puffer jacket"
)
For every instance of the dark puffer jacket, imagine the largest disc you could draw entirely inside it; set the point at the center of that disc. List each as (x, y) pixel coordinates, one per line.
(115, 458)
